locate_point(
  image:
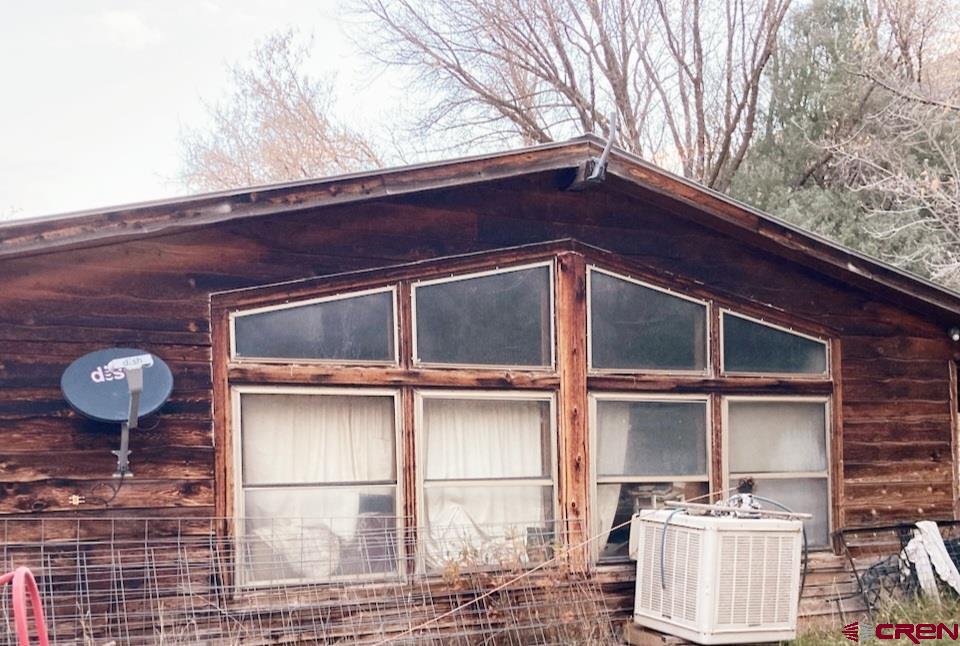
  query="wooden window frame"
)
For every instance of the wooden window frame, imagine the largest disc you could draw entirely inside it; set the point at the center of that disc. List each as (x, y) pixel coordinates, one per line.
(723, 372)
(828, 442)
(597, 480)
(237, 393)
(708, 350)
(551, 340)
(485, 395)
(570, 379)
(340, 296)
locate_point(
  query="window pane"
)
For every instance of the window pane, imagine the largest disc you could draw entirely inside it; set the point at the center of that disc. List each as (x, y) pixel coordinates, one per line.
(347, 329)
(487, 524)
(646, 438)
(313, 533)
(782, 436)
(317, 438)
(617, 503)
(635, 327)
(501, 319)
(474, 438)
(754, 347)
(802, 495)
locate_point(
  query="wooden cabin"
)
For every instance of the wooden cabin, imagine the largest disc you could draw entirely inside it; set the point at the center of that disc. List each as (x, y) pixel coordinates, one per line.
(470, 342)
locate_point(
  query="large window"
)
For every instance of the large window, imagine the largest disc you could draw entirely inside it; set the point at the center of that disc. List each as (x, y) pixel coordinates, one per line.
(782, 444)
(754, 347)
(487, 464)
(528, 399)
(648, 450)
(318, 492)
(500, 318)
(353, 327)
(637, 327)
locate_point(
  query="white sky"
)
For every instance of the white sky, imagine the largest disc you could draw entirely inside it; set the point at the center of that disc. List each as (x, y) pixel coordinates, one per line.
(95, 92)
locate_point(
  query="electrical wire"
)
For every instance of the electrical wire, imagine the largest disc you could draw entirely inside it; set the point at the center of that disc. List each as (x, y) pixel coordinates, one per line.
(666, 524)
(156, 423)
(115, 489)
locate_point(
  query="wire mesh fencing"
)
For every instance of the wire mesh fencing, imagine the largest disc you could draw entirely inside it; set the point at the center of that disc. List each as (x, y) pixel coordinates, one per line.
(881, 560)
(373, 580)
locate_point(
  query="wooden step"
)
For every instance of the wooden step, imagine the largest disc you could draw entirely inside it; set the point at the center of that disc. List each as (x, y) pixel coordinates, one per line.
(637, 635)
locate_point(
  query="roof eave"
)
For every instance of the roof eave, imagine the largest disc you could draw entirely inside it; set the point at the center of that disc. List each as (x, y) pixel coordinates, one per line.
(785, 238)
(89, 228)
(92, 228)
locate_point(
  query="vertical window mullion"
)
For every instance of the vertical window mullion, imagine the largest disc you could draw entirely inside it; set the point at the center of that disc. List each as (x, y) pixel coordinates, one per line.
(573, 466)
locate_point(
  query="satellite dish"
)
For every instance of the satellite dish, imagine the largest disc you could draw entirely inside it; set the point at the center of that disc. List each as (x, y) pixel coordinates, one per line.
(96, 386)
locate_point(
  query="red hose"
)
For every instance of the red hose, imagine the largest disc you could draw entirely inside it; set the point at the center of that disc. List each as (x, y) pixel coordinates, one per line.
(23, 582)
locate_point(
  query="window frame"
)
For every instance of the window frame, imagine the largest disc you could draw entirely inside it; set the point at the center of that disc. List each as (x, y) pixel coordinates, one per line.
(421, 486)
(570, 381)
(296, 303)
(496, 270)
(237, 392)
(721, 341)
(596, 396)
(593, 370)
(826, 474)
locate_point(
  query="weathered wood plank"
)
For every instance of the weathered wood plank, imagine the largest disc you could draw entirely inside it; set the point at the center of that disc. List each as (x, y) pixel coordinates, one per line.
(38, 434)
(571, 306)
(135, 493)
(732, 385)
(319, 374)
(174, 463)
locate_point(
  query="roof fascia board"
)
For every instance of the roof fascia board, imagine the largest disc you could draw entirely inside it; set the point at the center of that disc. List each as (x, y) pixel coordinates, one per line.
(782, 238)
(45, 235)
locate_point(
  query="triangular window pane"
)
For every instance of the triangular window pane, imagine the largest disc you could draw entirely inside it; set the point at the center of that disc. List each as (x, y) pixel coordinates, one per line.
(634, 327)
(752, 347)
(357, 328)
(496, 319)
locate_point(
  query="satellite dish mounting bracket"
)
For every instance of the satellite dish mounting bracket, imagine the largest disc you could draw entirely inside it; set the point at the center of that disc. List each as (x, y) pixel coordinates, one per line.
(135, 388)
(133, 369)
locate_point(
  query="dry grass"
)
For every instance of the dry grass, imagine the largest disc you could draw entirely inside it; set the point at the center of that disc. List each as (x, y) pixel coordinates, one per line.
(896, 612)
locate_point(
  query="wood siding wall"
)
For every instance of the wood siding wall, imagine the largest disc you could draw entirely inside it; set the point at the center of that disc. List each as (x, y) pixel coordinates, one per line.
(895, 444)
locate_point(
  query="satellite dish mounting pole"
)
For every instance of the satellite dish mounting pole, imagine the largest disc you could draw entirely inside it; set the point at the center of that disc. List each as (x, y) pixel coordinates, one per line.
(135, 387)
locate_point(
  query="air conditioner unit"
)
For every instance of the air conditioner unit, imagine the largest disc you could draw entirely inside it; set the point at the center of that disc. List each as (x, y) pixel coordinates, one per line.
(725, 580)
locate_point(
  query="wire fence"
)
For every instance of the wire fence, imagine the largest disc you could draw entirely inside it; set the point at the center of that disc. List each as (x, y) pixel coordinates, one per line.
(880, 559)
(372, 580)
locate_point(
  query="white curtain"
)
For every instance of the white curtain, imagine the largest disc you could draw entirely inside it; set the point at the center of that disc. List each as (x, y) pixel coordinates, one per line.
(311, 440)
(780, 436)
(475, 439)
(613, 433)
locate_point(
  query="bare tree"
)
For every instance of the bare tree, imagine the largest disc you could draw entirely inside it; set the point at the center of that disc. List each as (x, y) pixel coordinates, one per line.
(904, 159)
(685, 77)
(277, 125)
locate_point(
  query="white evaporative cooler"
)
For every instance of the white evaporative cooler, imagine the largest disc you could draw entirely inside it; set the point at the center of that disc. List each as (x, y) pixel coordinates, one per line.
(725, 580)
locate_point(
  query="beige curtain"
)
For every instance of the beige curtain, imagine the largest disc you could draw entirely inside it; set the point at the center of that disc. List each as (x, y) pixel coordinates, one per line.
(310, 442)
(482, 439)
(613, 432)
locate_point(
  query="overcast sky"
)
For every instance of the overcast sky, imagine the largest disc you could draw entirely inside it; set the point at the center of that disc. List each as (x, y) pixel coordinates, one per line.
(96, 92)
